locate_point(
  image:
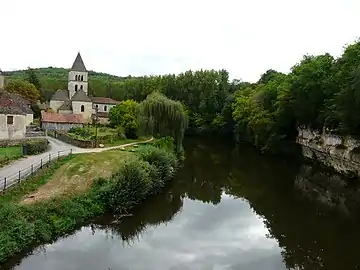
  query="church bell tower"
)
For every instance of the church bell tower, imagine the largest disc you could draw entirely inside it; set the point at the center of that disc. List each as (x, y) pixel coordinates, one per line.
(78, 77)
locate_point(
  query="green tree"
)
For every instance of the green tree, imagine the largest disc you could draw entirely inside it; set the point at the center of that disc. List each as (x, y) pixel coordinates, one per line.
(32, 78)
(163, 116)
(24, 89)
(125, 115)
(312, 85)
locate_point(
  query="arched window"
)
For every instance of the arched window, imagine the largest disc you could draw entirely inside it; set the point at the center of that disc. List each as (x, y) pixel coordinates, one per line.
(76, 78)
(82, 77)
(105, 108)
(97, 106)
(76, 87)
(81, 87)
(82, 108)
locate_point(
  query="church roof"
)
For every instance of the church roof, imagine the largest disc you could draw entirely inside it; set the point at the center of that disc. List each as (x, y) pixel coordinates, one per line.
(66, 106)
(105, 100)
(78, 64)
(80, 95)
(61, 95)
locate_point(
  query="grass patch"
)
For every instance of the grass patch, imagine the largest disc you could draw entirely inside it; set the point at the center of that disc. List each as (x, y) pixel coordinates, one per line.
(9, 154)
(78, 174)
(11, 151)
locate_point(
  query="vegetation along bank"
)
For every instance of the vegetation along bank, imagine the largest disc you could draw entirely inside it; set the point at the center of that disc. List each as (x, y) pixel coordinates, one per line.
(138, 175)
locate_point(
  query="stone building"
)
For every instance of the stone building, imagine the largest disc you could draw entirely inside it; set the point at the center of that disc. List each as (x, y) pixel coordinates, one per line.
(75, 100)
(12, 117)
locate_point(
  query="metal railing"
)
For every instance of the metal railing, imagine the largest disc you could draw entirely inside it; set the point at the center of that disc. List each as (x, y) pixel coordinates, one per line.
(16, 178)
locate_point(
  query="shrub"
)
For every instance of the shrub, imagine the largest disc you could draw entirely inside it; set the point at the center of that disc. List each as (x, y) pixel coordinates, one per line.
(36, 146)
(131, 184)
(165, 142)
(164, 161)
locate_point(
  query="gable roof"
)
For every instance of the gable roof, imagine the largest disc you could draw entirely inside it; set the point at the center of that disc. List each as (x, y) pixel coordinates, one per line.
(47, 117)
(105, 100)
(60, 95)
(23, 103)
(66, 106)
(80, 95)
(78, 64)
(11, 103)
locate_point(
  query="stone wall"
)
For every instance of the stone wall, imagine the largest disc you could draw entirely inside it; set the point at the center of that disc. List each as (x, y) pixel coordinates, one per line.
(340, 153)
(79, 143)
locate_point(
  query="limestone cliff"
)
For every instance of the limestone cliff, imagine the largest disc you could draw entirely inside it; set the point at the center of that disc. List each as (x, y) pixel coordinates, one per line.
(340, 153)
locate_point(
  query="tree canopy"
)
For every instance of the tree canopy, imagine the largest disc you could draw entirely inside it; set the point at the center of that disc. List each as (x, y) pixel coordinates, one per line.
(24, 89)
(125, 115)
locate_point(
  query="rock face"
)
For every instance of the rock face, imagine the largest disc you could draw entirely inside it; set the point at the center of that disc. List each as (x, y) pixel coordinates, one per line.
(340, 153)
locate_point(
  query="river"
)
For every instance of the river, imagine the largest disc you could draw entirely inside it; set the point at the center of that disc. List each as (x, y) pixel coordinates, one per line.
(226, 209)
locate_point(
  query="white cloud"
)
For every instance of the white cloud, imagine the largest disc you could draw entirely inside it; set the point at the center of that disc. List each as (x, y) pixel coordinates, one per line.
(156, 37)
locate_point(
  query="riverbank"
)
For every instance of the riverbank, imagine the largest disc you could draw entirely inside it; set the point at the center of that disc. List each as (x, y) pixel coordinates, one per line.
(141, 173)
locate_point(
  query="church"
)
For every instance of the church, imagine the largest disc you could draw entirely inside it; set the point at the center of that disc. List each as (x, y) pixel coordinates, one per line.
(65, 103)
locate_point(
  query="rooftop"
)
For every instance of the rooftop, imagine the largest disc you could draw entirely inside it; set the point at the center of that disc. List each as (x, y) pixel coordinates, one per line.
(105, 100)
(80, 95)
(11, 103)
(78, 64)
(62, 118)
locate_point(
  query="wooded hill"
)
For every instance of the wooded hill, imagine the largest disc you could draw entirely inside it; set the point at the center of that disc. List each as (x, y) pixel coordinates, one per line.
(52, 79)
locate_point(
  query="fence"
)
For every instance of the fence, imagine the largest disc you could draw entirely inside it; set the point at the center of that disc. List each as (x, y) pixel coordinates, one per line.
(16, 178)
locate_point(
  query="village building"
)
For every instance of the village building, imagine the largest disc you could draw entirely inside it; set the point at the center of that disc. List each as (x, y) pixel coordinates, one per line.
(60, 122)
(15, 113)
(75, 100)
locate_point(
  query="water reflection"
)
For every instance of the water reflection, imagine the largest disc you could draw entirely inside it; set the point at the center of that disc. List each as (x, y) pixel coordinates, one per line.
(224, 211)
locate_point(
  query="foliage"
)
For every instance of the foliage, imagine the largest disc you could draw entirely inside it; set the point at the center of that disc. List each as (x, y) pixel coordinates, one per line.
(125, 115)
(32, 78)
(37, 112)
(21, 224)
(164, 117)
(36, 146)
(23, 88)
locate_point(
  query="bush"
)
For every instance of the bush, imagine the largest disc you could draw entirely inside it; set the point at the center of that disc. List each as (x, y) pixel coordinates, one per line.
(36, 146)
(131, 184)
(165, 142)
(164, 161)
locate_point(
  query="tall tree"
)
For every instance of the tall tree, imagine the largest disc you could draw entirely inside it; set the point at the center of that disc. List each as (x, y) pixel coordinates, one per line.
(32, 78)
(163, 116)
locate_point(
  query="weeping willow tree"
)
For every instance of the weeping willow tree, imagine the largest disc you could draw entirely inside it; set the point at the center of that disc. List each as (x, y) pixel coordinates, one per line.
(161, 116)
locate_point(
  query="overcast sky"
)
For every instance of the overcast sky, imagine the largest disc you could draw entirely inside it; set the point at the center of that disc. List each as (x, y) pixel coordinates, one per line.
(138, 37)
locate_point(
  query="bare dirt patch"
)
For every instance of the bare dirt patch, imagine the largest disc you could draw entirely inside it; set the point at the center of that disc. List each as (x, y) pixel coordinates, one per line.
(78, 174)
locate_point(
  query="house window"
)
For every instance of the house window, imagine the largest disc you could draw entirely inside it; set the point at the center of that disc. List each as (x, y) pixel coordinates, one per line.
(76, 77)
(81, 87)
(105, 108)
(82, 77)
(10, 120)
(82, 108)
(76, 87)
(97, 106)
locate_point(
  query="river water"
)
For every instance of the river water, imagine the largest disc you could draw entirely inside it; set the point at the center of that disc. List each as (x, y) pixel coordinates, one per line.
(226, 209)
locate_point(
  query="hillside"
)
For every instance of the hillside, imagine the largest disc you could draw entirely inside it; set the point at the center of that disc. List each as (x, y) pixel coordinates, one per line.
(52, 78)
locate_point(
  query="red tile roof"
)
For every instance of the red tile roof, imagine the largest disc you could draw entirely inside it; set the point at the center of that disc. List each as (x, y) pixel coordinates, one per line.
(62, 118)
(105, 100)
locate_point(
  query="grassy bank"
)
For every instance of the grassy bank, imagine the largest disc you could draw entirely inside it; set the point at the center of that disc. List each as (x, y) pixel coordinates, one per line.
(138, 175)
